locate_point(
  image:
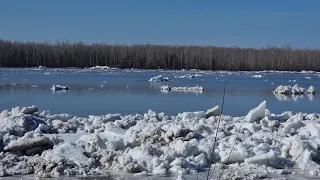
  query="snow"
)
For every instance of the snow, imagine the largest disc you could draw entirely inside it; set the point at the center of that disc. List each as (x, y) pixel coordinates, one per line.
(259, 144)
(158, 78)
(296, 89)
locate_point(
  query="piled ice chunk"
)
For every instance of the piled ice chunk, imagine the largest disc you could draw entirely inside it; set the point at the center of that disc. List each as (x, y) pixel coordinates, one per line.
(153, 143)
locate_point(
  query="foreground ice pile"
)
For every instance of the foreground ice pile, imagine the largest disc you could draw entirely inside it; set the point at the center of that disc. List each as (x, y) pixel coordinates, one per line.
(158, 78)
(296, 89)
(51, 145)
(182, 89)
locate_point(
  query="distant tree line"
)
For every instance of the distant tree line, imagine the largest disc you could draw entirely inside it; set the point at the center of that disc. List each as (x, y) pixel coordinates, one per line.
(65, 54)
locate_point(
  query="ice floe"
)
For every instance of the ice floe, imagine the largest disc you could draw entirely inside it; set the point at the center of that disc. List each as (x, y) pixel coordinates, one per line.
(158, 78)
(99, 67)
(182, 89)
(52, 145)
(59, 88)
(257, 76)
(186, 76)
(296, 89)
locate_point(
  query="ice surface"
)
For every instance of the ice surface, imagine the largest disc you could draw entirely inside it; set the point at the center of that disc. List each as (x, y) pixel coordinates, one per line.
(249, 147)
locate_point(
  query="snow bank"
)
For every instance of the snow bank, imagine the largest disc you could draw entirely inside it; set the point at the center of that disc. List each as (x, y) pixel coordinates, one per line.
(158, 78)
(59, 88)
(296, 89)
(153, 143)
(182, 89)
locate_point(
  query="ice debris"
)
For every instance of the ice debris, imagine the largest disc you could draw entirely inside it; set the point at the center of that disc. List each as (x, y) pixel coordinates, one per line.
(52, 145)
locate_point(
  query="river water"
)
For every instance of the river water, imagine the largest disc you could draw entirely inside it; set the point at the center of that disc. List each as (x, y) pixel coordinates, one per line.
(98, 92)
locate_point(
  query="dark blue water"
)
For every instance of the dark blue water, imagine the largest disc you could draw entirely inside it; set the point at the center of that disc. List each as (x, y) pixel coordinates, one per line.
(129, 92)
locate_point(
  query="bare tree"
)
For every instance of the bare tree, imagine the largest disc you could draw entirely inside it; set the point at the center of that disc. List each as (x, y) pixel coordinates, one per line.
(66, 54)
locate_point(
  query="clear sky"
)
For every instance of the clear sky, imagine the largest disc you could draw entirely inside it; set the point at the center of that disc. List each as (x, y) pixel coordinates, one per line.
(242, 23)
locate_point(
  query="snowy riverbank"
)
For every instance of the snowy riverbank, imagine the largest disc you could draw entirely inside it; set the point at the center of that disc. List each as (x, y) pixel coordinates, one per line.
(261, 143)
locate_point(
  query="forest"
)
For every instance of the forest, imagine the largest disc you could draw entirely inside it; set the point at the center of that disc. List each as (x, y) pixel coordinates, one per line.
(149, 56)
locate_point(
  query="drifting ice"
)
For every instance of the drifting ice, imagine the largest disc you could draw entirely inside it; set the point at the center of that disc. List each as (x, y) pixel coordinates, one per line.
(293, 90)
(182, 89)
(158, 78)
(257, 76)
(59, 88)
(189, 76)
(99, 67)
(61, 144)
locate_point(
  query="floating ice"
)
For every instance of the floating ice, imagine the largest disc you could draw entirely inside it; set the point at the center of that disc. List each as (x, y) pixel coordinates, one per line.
(99, 67)
(158, 78)
(296, 89)
(188, 76)
(182, 89)
(257, 76)
(59, 88)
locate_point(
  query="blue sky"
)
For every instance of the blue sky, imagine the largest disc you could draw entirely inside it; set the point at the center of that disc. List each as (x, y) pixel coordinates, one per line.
(242, 23)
